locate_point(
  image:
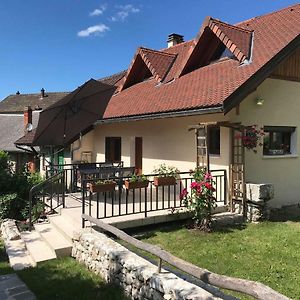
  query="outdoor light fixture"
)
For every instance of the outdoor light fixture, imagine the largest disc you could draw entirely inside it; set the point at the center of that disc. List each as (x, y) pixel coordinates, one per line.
(259, 101)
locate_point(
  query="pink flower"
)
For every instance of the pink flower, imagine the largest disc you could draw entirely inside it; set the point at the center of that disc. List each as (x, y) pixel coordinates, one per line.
(183, 194)
(208, 176)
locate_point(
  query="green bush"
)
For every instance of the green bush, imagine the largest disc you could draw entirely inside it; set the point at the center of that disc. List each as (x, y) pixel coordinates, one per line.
(14, 190)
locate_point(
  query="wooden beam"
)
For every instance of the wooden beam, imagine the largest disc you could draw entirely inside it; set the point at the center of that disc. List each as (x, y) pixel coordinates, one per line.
(252, 288)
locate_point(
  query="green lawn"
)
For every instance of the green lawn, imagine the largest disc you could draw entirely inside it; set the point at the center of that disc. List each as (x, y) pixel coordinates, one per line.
(266, 252)
(63, 279)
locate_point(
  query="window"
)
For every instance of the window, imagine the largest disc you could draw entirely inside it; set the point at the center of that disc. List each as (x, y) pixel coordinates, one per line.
(278, 140)
(112, 149)
(214, 140)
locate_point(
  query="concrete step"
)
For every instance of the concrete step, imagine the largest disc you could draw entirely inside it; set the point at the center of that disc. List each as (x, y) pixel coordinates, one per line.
(227, 218)
(37, 247)
(64, 225)
(19, 257)
(55, 240)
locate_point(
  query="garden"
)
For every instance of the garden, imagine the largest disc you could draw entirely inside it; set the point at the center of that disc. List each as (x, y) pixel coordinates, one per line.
(267, 252)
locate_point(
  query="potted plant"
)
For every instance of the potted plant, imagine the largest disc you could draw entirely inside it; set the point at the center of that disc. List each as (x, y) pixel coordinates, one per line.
(166, 175)
(136, 182)
(102, 186)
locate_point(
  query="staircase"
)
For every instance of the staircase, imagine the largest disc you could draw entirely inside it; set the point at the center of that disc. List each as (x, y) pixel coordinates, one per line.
(47, 241)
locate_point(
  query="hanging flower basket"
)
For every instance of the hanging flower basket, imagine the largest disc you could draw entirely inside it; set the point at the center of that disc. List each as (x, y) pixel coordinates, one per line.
(251, 137)
(102, 186)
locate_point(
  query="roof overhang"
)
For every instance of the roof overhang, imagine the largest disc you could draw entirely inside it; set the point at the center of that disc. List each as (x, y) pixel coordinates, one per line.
(163, 115)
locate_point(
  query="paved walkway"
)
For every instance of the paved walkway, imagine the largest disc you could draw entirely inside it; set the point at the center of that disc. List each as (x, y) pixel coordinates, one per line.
(12, 288)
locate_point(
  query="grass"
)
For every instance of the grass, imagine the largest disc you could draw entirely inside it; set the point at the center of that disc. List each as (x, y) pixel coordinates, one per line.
(267, 252)
(4, 265)
(62, 279)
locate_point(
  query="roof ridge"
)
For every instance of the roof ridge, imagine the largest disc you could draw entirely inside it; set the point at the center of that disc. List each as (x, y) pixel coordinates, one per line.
(35, 94)
(177, 45)
(110, 76)
(232, 26)
(268, 14)
(157, 51)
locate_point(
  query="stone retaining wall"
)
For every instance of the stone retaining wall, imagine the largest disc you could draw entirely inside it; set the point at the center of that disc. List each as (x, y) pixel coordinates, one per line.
(137, 276)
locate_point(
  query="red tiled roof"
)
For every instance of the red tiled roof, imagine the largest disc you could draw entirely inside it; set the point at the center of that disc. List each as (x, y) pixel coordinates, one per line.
(211, 85)
(237, 39)
(158, 63)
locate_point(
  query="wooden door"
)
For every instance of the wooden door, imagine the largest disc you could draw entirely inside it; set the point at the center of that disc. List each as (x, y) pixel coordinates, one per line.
(139, 155)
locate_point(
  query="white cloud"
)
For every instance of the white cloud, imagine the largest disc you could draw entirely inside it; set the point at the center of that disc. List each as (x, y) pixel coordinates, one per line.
(123, 12)
(98, 11)
(93, 30)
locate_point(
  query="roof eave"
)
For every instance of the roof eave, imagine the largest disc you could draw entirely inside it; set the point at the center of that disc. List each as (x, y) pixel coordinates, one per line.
(162, 115)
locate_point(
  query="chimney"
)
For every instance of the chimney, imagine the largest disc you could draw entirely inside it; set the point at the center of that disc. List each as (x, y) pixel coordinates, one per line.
(174, 39)
(27, 117)
(42, 93)
(18, 93)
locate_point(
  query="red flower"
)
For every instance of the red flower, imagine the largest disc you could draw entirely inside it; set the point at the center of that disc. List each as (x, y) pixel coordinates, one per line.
(183, 194)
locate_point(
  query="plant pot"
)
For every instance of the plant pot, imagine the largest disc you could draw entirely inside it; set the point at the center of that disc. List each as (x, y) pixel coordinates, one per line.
(136, 185)
(167, 180)
(105, 187)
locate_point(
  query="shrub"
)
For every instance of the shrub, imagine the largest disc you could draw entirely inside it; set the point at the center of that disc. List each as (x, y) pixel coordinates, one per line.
(14, 190)
(200, 200)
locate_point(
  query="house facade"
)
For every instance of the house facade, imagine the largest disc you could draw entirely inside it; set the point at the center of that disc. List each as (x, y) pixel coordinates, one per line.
(248, 73)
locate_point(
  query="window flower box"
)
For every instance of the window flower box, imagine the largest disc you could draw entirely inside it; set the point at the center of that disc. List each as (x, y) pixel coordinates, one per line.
(99, 187)
(166, 180)
(129, 185)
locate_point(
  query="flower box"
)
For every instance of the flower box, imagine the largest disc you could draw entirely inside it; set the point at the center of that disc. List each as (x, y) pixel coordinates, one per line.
(166, 180)
(136, 184)
(104, 187)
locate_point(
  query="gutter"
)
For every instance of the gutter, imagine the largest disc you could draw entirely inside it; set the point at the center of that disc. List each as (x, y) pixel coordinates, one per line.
(154, 116)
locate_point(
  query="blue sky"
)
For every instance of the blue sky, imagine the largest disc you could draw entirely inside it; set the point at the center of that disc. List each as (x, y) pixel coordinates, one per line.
(59, 44)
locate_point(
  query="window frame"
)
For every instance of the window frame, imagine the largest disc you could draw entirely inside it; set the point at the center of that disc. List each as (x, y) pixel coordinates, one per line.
(212, 148)
(111, 156)
(288, 141)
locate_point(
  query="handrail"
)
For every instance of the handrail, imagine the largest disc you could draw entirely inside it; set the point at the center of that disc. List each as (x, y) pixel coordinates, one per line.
(39, 187)
(249, 287)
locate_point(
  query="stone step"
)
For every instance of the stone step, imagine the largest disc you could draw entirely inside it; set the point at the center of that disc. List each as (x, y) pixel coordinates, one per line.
(227, 218)
(55, 240)
(37, 247)
(19, 257)
(64, 225)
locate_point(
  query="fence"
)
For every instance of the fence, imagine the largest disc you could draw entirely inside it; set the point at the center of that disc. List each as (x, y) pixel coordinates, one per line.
(47, 196)
(113, 200)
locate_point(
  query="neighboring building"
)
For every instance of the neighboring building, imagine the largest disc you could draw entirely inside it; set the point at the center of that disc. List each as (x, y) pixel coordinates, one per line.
(16, 111)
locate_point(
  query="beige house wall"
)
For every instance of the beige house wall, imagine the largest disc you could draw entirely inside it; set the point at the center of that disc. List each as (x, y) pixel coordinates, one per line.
(86, 144)
(281, 107)
(164, 141)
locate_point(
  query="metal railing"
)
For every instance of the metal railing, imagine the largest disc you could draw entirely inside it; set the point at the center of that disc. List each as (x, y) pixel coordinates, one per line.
(73, 172)
(47, 196)
(120, 201)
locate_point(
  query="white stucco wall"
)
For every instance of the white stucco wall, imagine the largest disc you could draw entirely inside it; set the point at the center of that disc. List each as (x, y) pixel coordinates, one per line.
(281, 108)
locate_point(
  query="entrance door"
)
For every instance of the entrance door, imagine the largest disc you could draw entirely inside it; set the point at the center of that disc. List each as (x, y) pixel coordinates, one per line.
(139, 155)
